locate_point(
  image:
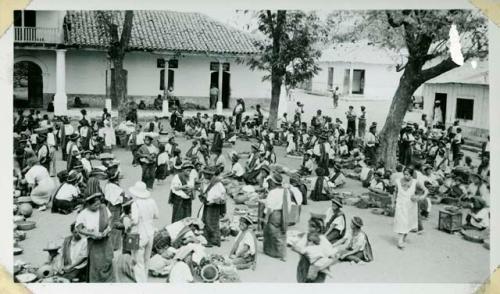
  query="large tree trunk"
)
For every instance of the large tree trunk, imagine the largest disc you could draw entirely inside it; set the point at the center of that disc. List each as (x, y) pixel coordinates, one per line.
(119, 85)
(401, 101)
(275, 100)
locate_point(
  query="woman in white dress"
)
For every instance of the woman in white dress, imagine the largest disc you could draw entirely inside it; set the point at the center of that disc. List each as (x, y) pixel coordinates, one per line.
(406, 215)
(109, 133)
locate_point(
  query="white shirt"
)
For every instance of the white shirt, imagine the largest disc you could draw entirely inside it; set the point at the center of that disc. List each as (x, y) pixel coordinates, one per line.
(90, 219)
(483, 214)
(51, 139)
(67, 192)
(216, 192)
(36, 174)
(144, 212)
(113, 193)
(274, 200)
(317, 149)
(370, 139)
(175, 228)
(297, 195)
(238, 170)
(246, 240)
(77, 250)
(180, 273)
(87, 166)
(174, 187)
(338, 223)
(163, 158)
(68, 129)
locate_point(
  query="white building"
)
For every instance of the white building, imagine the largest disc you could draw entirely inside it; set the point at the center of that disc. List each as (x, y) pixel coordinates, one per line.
(361, 71)
(63, 55)
(463, 95)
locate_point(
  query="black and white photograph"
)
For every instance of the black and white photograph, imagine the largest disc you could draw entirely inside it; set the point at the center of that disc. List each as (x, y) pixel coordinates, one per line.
(249, 145)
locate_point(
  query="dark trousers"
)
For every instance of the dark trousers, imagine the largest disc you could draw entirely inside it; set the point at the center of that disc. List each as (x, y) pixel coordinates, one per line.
(148, 175)
(213, 101)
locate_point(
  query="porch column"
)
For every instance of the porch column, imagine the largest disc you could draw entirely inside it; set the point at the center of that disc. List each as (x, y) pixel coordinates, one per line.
(60, 98)
(219, 99)
(164, 107)
(351, 79)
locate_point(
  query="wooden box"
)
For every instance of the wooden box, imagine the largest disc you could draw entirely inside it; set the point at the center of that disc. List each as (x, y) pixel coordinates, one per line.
(449, 221)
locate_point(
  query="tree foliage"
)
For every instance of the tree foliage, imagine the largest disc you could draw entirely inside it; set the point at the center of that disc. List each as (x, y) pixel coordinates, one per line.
(289, 50)
(421, 37)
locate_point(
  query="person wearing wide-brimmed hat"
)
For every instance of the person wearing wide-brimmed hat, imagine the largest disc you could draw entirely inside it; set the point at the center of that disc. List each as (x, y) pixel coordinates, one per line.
(54, 262)
(213, 197)
(358, 247)
(162, 165)
(86, 163)
(72, 150)
(252, 168)
(65, 131)
(115, 196)
(144, 211)
(74, 255)
(181, 192)
(322, 186)
(43, 149)
(307, 166)
(243, 253)
(277, 208)
(321, 151)
(147, 155)
(335, 227)
(67, 196)
(479, 216)
(94, 222)
(478, 188)
(314, 250)
(237, 170)
(407, 141)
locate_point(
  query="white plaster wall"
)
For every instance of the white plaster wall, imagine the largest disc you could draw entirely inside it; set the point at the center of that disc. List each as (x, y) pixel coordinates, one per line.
(381, 80)
(86, 74)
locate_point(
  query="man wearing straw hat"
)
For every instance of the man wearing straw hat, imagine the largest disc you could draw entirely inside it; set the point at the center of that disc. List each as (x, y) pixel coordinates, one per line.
(243, 254)
(335, 227)
(181, 192)
(147, 157)
(72, 151)
(144, 211)
(277, 207)
(213, 197)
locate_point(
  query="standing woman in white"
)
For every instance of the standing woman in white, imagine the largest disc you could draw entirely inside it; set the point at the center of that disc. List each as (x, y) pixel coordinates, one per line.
(406, 215)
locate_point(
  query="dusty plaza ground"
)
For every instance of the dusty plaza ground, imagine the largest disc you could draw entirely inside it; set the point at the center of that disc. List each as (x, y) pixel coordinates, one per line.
(434, 257)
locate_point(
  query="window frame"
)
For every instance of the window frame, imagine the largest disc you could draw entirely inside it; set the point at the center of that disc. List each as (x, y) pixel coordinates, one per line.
(456, 108)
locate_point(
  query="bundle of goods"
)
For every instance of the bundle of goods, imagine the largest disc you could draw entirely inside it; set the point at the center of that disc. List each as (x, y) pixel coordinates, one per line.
(380, 199)
(25, 225)
(54, 279)
(217, 268)
(278, 168)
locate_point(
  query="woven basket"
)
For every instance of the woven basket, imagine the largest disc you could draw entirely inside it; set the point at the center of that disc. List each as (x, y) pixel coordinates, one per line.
(472, 236)
(25, 225)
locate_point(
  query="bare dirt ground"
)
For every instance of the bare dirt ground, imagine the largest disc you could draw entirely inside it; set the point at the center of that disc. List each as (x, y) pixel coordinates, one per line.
(434, 257)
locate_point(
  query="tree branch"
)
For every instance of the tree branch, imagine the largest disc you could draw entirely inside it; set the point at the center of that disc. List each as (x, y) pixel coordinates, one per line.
(436, 70)
(127, 29)
(390, 20)
(270, 21)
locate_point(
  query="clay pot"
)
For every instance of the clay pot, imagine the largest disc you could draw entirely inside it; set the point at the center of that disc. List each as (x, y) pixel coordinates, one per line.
(25, 209)
(44, 271)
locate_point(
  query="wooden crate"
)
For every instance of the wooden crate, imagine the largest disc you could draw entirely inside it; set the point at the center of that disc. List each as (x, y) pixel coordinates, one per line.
(449, 222)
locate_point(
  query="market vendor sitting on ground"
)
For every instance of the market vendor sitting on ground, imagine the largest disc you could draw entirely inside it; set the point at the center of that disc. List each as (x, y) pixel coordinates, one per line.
(335, 227)
(243, 254)
(358, 247)
(479, 216)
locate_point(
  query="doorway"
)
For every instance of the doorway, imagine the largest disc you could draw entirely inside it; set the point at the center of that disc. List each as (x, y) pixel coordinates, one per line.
(28, 85)
(439, 105)
(226, 90)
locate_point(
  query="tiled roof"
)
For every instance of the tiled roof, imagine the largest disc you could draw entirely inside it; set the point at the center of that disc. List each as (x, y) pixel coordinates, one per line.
(162, 31)
(465, 74)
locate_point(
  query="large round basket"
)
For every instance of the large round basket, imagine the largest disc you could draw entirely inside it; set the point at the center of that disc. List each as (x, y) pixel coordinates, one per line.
(18, 251)
(209, 273)
(472, 236)
(26, 278)
(25, 225)
(378, 211)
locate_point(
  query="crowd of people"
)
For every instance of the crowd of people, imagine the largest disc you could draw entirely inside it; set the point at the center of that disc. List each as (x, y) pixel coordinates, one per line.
(114, 238)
